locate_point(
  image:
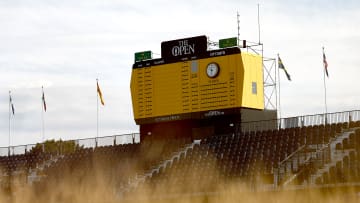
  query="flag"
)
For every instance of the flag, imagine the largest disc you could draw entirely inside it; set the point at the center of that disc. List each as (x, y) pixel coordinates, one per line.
(100, 94)
(281, 66)
(12, 105)
(43, 99)
(325, 63)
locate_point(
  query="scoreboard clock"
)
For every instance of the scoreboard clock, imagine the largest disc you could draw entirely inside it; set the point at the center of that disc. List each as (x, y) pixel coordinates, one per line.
(212, 70)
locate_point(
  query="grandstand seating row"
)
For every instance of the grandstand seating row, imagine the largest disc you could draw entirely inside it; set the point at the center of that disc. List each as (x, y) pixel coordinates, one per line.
(22, 161)
(115, 164)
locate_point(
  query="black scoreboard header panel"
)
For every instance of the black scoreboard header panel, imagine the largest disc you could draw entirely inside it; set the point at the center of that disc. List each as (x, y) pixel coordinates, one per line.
(184, 47)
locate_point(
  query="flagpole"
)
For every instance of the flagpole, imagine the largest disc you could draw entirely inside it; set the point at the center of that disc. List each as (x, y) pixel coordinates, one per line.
(9, 121)
(42, 116)
(278, 72)
(97, 113)
(325, 90)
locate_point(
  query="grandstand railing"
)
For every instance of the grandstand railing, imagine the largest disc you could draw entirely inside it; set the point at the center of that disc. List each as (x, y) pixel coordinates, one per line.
(86, 143)
(301, 121)
(303, 162)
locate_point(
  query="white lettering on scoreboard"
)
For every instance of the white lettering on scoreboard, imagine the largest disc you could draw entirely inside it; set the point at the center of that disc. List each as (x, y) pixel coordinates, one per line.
(184, 48)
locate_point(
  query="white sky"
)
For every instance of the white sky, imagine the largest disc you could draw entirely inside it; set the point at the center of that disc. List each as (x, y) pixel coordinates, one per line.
(65, 45)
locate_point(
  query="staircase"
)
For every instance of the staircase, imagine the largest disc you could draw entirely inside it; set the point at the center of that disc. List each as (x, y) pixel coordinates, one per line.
(140, 179)
(338, 154)
(35, 174)
(322, 164)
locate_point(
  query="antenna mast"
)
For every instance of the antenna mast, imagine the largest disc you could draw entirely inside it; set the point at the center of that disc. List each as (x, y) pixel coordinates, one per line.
(258, 9)
(238, 28)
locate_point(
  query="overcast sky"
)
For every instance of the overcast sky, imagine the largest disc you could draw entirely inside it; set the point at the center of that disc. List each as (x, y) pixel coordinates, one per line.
(65, 45)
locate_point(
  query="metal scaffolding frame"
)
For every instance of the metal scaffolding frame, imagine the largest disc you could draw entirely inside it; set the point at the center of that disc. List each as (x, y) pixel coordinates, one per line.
(270, 85)
(269, 72)
(269, 75)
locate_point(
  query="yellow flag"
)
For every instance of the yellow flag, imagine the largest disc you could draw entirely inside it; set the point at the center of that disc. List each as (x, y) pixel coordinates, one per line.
(100, 94)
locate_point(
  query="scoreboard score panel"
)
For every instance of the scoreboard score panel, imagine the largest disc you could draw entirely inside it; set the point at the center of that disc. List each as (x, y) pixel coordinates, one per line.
(177, 90)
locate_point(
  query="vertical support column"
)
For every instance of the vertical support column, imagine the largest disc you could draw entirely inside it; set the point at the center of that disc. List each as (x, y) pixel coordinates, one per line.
(276, 178)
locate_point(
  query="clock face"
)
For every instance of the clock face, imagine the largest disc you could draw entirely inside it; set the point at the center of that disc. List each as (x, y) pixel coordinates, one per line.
(212, 70)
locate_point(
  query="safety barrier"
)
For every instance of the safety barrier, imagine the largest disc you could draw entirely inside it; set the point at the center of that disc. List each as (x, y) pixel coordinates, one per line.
(86, 143)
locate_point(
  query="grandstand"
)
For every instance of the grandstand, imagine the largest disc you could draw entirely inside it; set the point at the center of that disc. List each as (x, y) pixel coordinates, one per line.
(313, 154)
(197, 137)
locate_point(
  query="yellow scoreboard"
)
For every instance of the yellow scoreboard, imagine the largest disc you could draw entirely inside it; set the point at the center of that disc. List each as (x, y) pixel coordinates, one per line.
(191, 82)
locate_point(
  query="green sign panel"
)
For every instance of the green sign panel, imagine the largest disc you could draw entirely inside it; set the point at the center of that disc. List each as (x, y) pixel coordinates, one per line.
(141, 56)
(229, 42)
